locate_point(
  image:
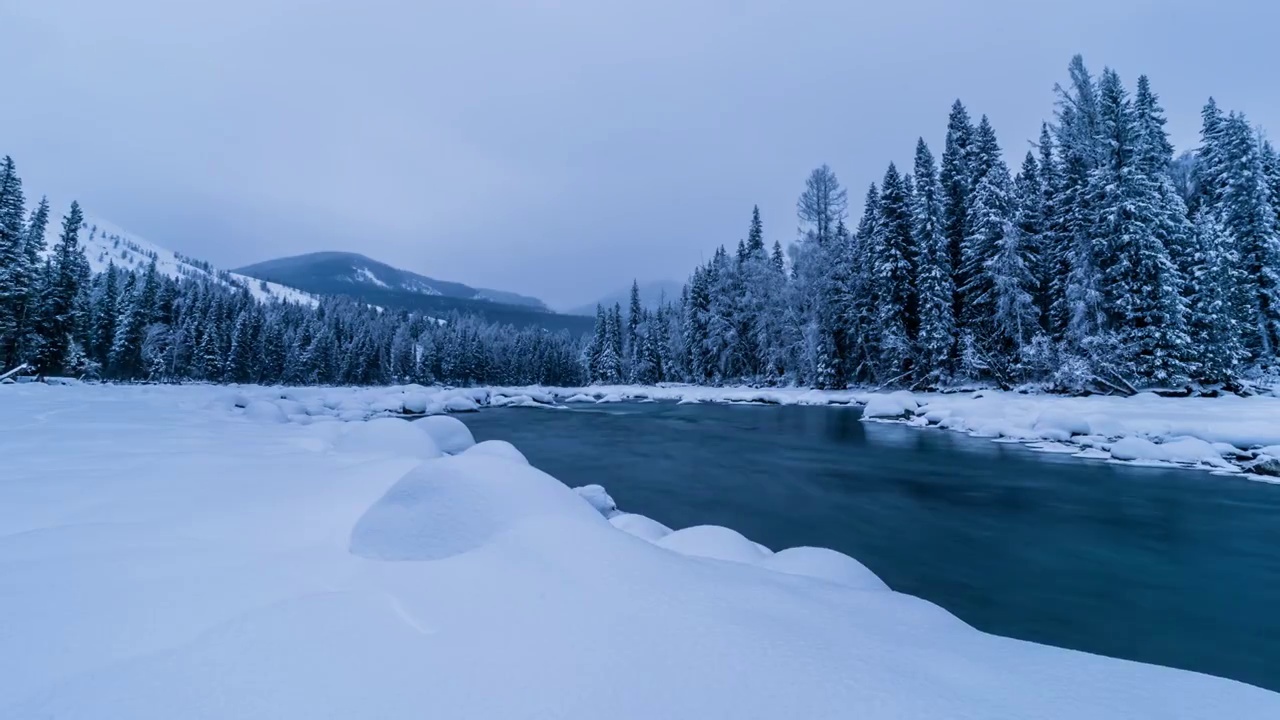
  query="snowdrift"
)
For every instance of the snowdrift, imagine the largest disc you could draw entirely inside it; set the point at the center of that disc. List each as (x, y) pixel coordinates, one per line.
(178, 556)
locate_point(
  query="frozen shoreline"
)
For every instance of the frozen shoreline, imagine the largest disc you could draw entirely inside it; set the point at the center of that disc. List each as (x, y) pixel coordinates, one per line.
(172, 555)
(1224, 435)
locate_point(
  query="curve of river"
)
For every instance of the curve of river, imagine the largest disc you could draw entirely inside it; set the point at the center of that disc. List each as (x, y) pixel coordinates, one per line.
(1173, 567)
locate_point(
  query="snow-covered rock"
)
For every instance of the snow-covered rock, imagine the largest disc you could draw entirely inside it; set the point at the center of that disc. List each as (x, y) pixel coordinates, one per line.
(640, 526)
(1058, 424)
(264, 411)
(451, 434)
(714, 541)
(599, 499)
(499, 449)
(824, 564)
(893, 405)
(1135, 448)
(387, 436)
(453, 505)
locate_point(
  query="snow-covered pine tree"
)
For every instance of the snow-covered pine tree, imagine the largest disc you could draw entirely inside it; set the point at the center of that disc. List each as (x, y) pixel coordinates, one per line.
(1142, 287)
(13, 268)
(1220, 306)
(891, 257)
(60, 314)
(933, 280)
(635, 315)
(822, 205)
(957, 189)
(1243, 200)
(989, 214)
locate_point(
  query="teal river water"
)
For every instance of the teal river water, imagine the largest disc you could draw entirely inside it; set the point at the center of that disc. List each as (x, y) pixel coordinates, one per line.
(1173, 567)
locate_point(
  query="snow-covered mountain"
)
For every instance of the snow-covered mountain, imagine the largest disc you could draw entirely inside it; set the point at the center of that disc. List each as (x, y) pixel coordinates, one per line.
(105, 244)
(651, 293)
(377, 283)
(344, 273)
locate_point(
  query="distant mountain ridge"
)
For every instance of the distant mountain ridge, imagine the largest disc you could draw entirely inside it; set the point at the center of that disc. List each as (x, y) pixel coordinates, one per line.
(354, 269)
(377, 283)
(651, 293)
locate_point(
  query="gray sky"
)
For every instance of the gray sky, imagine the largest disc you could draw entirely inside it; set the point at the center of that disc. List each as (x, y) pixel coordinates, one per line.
(552, 148)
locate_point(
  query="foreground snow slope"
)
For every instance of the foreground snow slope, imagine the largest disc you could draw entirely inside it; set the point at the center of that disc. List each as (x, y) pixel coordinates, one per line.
(166, 553)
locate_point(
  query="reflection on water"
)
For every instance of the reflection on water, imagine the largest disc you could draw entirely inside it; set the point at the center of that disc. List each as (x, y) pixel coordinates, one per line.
(1173, 567)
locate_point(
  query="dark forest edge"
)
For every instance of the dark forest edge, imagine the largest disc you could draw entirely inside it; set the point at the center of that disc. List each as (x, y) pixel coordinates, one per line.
(1103, 264)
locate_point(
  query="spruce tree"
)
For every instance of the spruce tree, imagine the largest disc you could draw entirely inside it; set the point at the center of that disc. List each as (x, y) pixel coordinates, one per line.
(1220, 306)
(934, 282)
(60, 315)
(891, 259)
(13, 266)
(957, 188)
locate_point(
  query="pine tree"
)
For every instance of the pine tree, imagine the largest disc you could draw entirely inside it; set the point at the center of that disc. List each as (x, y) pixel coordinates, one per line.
(755, 236)
(1220, 305)
(957, 188)
(1241, 196)
(60, 315)
(1142, 286)
(635, 315)
(891, 256)
(934, 281)
(26, 338)
(13, 266)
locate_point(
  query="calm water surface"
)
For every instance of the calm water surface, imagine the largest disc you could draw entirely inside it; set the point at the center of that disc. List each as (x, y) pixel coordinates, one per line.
(1172, 567)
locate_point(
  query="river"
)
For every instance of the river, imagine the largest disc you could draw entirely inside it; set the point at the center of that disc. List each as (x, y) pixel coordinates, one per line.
(1174, 567)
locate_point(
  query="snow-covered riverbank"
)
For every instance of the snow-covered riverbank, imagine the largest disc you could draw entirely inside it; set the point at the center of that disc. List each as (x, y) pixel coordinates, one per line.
(165, 553)
(1227, 434)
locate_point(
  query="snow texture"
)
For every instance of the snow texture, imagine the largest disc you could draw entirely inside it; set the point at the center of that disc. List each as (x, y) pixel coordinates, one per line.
(164, 554)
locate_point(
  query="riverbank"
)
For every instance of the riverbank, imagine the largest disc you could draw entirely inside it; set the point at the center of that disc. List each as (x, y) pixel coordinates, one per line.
(172, 554)
(1226, 435)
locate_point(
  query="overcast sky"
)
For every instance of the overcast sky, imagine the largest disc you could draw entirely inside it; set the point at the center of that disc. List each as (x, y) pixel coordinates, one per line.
(551, 148)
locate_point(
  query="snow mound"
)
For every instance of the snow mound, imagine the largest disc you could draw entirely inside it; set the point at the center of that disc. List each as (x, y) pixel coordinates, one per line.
(460, 404)
(580, 398)
(451, 434)
(453, 505)
(824, 564)
(1136, 448)
(386, 436)
(416, 403)
(1061, 425)
(264, 411)
(713, 541)
(640, 526)
(610, 398)
(599, 499)
(893, 405)
(498, 449)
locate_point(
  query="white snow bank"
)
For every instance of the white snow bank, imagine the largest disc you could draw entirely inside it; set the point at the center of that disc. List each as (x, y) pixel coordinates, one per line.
(640, 526)
(596, 496)
(713, 541)
(387, 436)
(497, 448)
(824, 564)
(453, 505)
(263, 411)
(451, 434)
(894, 405)
(171, 560)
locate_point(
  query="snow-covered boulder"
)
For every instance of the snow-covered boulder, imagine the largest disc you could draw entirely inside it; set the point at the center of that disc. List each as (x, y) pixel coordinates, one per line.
(1136, 448)
(416, 403)
(893, 405)
(264, 411)
(640, 526)
(1059, 424)
(499, 449)
(452, 505)
(451, 434)
(714, 541)
(824, 564)
(610, 398)
(387, 436)
(599, 499)
(1193, 451)
(581, 398)
(460, 404)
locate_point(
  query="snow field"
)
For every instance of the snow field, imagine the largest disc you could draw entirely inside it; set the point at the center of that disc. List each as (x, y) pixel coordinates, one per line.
(166, 553)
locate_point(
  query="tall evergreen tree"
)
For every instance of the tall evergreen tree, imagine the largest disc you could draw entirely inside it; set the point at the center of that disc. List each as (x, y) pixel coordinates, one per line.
(957, 187)
(891, 260)
(934, 282)
(60, 314)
